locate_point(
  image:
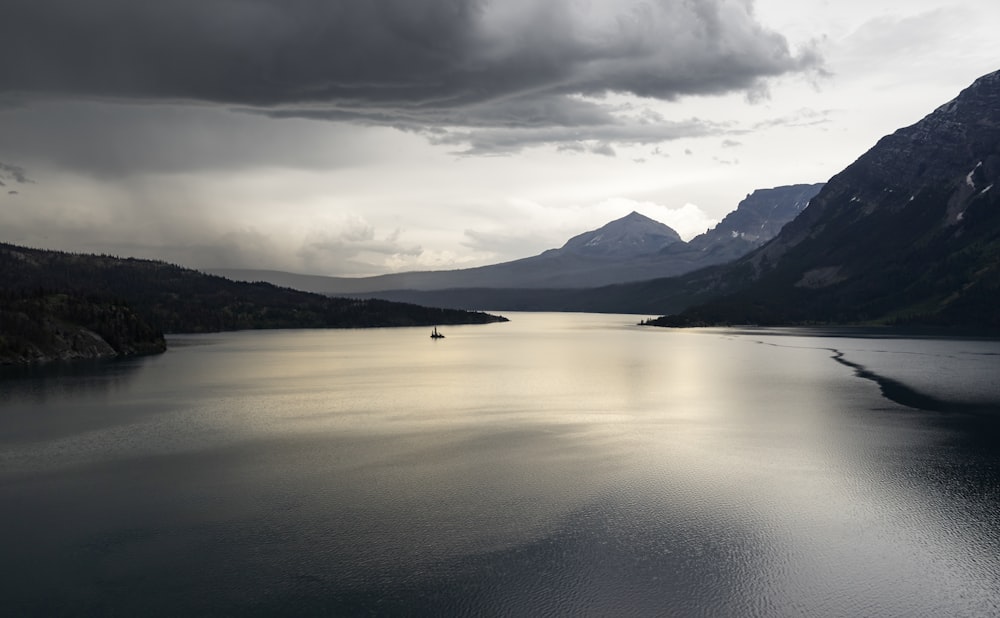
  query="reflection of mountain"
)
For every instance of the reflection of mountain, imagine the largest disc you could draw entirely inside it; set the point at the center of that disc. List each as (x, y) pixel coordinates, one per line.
(909, 233)
(632, 248)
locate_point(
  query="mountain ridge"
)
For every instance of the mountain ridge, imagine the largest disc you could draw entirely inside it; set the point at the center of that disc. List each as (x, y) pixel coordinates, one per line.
(631, 248)
(633, 235)
(908, 234)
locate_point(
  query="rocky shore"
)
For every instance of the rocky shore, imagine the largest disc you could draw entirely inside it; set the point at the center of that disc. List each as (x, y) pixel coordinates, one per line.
(47, 328)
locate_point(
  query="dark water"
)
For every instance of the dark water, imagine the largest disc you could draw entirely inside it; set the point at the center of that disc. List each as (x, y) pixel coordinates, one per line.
(555, 465)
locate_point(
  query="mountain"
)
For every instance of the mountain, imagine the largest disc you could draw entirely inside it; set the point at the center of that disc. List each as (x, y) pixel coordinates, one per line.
(907, 234)
(633, 248)
(62, 305)
(600, 256)
(632, 236)
(756, 220)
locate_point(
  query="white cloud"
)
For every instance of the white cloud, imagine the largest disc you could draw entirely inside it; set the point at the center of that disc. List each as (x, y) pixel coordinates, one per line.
(688, 220)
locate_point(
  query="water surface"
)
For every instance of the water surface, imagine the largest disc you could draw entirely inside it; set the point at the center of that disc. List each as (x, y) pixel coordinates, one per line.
(557, 464)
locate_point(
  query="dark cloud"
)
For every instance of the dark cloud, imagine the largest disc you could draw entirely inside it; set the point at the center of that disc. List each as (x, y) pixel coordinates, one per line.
(527, 112)
(13, 173)
(594, 139)
(113, 140)
(411, 64)
(437, 53)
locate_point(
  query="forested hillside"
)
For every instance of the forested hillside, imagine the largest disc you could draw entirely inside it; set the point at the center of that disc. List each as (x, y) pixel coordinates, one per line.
(46, 297)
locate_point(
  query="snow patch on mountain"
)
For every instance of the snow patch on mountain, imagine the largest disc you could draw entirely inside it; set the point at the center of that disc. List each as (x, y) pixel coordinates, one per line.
(968, 177)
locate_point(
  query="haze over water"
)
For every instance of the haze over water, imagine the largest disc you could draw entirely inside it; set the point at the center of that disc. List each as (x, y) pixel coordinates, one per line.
(559, 464)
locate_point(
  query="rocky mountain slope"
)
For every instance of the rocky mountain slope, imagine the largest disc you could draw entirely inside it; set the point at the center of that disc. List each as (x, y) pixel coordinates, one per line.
(907, 234)
(756, 220)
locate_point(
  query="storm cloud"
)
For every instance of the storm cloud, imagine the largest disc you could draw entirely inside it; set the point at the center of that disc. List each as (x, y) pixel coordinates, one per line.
(356, 137)
(421, 65)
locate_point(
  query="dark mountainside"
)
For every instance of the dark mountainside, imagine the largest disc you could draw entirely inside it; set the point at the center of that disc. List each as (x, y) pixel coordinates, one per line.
(909, 234)
(62, 305)
(756, 220)
(633, 248)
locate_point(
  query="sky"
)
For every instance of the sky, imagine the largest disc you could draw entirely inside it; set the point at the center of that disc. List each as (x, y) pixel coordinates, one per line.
(360, 137)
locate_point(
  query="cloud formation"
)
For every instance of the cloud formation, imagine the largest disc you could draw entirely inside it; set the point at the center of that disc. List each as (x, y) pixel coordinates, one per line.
(421, 65)
(109, 140)
(12, 173)
(688, 220)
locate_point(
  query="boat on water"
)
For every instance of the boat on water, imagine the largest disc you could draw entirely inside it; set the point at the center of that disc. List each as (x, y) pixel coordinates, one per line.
(435, 334)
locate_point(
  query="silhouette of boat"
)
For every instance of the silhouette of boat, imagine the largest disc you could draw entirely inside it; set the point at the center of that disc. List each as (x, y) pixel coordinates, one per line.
(435, 334)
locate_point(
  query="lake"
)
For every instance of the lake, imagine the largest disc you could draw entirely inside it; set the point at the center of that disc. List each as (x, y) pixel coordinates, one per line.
(558, 464)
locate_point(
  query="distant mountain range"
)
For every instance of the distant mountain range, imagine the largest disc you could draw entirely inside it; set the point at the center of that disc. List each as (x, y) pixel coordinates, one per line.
(633, 248)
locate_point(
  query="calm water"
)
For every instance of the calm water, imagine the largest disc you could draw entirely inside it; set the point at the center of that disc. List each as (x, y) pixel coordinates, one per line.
(555, 465)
